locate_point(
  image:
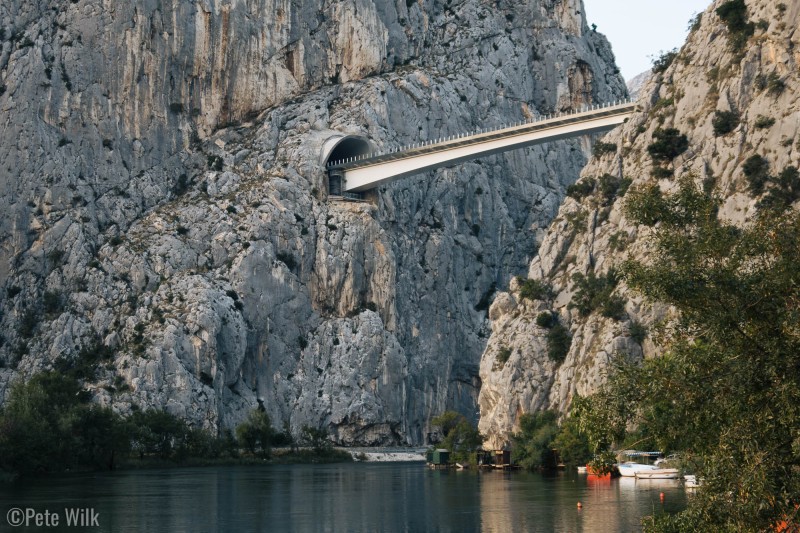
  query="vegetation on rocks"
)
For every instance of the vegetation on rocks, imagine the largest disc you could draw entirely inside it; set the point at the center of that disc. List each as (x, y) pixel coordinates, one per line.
(593, 292)
(726, 390)
(740, 29)
(667, 144)
(724, 122)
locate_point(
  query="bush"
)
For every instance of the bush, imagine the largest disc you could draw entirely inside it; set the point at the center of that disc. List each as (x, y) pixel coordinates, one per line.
(734, 15)
(763, 122)
(668, 144)
(181, 186)
(637, 331)
(558, 343)
(595, 293)
(611, 187)
(785, 190)
(756, 170)
(662, 63)
(661, 173)
(503, 355)
(51, 301)
(581, 189)
(287, 259)
(724, 122)
(532, 289)
(55, 257)
(546, 319)
(27, 323)
(775, 85)
(601, 148)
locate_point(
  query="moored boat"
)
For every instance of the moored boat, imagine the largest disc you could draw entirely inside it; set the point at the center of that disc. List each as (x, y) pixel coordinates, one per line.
(659, 473)
(630, 469)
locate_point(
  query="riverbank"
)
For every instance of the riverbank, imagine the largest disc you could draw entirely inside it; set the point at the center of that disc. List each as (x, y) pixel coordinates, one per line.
(386, 455)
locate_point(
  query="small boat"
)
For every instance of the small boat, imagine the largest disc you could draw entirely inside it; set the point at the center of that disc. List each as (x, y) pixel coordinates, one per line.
(659, 473)
(581, 469)
(631, 469)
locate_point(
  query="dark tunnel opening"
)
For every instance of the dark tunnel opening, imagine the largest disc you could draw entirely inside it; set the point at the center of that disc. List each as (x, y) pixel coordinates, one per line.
(345, 149)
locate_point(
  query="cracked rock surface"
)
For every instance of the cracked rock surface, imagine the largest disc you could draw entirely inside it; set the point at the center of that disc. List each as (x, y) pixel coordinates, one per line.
(164, 196)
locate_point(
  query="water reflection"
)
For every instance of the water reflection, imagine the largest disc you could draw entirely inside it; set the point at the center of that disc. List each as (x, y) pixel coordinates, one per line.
(353, 497)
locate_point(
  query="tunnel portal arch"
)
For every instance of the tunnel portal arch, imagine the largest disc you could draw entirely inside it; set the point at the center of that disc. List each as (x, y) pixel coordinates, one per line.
(341, 148)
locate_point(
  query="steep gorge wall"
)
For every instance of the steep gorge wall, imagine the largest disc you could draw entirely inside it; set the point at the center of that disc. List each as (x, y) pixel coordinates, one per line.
(153, 210)
(761, 87)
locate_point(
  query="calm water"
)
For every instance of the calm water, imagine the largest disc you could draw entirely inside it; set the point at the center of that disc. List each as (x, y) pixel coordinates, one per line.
(345, 497)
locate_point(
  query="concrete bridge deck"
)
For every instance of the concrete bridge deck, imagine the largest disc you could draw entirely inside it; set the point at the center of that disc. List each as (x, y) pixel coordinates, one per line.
(371, 170)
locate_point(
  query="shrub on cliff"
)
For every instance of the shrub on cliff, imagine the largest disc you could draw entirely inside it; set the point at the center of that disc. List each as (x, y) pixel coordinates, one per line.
(740, 29)
(667, 144)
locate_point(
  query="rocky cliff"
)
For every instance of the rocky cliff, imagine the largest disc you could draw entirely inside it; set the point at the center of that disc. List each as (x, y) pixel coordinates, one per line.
(733, 91)
(167, 220)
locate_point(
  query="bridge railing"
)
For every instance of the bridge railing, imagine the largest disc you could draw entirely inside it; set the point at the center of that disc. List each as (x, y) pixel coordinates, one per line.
(586, 109)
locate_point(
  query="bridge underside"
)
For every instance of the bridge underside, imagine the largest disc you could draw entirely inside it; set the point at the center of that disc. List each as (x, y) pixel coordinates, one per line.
(370, 173)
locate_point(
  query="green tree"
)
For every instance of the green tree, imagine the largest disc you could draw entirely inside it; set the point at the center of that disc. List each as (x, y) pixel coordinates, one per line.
(257, 433)
(159, 433)
(533, 445)
(571, 445)
(35, 424)
(460, 436)
(726, 390)
(317, 439)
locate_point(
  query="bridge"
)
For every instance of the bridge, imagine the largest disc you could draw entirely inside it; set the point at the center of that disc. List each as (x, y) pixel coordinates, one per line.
(353, 166)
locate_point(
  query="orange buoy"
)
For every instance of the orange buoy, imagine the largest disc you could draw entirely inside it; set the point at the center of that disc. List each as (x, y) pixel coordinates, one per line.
(580, 505)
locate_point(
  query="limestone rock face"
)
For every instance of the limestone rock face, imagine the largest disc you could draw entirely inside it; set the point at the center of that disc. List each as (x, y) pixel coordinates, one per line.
(164, 193)
(760, 85)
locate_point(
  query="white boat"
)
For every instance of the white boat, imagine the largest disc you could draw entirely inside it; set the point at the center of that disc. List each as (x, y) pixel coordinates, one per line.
(581, 469)
(631, 469)
(659, 473)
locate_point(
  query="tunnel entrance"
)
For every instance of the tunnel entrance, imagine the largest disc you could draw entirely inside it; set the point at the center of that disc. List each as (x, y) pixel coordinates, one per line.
(341, 148)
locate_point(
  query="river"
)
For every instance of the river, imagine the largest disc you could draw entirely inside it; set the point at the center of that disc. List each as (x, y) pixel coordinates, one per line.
(405, 497)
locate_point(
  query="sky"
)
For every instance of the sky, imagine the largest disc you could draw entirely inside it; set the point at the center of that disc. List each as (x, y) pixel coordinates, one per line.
(640, 29)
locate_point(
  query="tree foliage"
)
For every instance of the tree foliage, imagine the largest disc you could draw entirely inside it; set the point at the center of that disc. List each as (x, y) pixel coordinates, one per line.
(541, 442)
(726, 391)
(533, 445)
(256, 433)
(460, 436)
